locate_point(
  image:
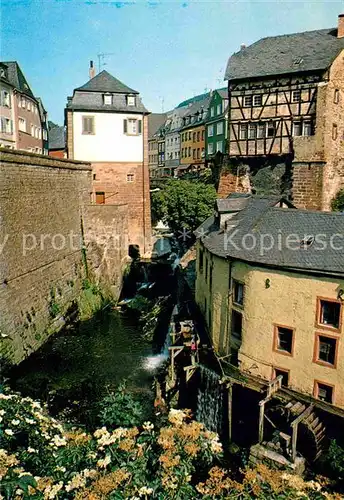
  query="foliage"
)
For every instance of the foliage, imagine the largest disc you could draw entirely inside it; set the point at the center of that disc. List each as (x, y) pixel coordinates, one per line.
(335, 459)
(120, 409)
(184, 204)
(90, 299)
(178, 460)
(337, 203)
(158, 206)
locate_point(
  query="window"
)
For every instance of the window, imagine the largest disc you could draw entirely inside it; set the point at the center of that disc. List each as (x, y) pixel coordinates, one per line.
(238, 293)
(22, 124)
(107, 99)
(297, 129)
(285, 375)
(88, 125)
(32, 131)
(270, 129)
(29, 105)
(194, 137)
(202, 135)
(260, 130)
(219, 109)
(100, 198)
(210, 130)
(296, 96)
(189, 136)
(130, 177)
(219, 128)
(212, 112)
(132, 126)
(236, 324)
(325, 351)
(198, 153)
(219, 146)
(210, 148)
(243, 131)
(257, 100)
(252, 131)
(329, 313)
(284, 340)
(131, 100)
(6, 125)
(189, 151)
(323, 391)
(336, 96)
(334, 131)
(198, 136)
(307, 128)
(23, 102)
(5, 98)
(248, 101)
(194, 154)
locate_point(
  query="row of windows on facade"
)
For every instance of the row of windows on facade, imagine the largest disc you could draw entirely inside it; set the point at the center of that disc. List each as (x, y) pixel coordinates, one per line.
(153, 158)
(194, 136)
(328, 316)
(197, 153)
(218, 110)
(6, 127)
(131, 126)
(108, 100)
(296, 96)
(218, 129)
(261, 130)
(24, 103)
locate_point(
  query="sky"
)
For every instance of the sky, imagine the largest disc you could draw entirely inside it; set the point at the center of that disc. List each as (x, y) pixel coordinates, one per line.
(169, 51)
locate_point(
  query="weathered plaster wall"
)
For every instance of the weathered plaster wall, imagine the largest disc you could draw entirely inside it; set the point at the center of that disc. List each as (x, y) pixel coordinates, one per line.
(290, 301)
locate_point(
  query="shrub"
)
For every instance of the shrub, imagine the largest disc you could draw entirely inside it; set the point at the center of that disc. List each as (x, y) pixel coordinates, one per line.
(120, 409)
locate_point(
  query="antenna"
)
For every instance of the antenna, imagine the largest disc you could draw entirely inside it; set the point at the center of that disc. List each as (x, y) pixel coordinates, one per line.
(101, 59)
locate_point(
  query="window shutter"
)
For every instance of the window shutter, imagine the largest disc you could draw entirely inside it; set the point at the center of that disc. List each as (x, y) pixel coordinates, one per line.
(140, 126)
(125, 126)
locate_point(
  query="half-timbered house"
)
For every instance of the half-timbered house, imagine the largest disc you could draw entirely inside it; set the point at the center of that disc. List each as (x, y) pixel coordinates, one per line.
(286, 98)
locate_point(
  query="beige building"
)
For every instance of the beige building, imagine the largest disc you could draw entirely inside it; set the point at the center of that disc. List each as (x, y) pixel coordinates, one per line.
(270, 285)
(156, 123)
(286, 96)
(23, 123)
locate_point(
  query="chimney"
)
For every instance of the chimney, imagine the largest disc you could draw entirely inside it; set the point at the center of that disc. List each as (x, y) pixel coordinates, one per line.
(242, 46)
(92, 70)
(340, 33)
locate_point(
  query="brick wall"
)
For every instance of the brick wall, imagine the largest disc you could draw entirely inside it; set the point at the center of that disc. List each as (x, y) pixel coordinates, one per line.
(231, 183)
(42, 204)
(308, 184)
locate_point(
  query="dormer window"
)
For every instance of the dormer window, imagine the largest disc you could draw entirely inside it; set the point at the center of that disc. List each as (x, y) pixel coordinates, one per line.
(131, 100)
(107, 99)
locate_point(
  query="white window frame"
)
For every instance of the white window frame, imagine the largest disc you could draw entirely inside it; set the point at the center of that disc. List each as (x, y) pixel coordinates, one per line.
(131, 100)
(252, 131)
(90, 131)
(219, 125)
(210, 148)
(260, 131)
(219, 143)
(307, 125)
(107, 99)
(130, 177)
(243, 130)
(219, 109)
(296, 95)
(210, 130)
(247, 101)
(21, 124)
(212, 111)
(257, 100)
(297, 126)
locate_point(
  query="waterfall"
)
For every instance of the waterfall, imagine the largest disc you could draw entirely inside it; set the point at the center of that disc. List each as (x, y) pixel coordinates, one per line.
(210, 400)
(151, 363)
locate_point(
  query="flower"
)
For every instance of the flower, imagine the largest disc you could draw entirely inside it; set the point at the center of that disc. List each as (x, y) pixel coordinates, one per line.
(58, 441)
(103, 463)
(9, 432)
(2, 412)
(32, 450)
(15, 422)
(30, 421)
(148, 426)
(145, 491)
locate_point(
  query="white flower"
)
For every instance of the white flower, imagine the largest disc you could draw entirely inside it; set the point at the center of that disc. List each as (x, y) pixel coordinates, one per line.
(60, 469)
(15, 422)
(36, 404)
(32, 450)
(148, 426)
(24, 474)
(92, 455)
(9, 432)
(2, 412)
(54, 490)
(19, 492)
(58, 441)
(104, 462)
(30, 421)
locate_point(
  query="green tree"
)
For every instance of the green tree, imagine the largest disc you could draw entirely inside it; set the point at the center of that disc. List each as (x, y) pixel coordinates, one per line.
(186, 204)
(158, 206)
(337, 203)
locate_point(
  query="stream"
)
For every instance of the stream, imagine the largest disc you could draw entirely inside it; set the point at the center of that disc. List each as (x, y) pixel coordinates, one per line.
(77, 367)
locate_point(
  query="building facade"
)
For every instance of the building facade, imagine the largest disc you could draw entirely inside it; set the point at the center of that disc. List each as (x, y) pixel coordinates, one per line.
(156, 122)
(287, 297)
(216, 124)
(23, 117)
(286, 107)
(107, 125)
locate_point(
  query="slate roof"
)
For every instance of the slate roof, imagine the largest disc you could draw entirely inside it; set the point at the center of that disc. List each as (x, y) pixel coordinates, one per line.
(104, 82)
(57, 139)
(279, 55)
(155, 122)
(297, 237)
(93, 101)
(17, 79)
(194, 110)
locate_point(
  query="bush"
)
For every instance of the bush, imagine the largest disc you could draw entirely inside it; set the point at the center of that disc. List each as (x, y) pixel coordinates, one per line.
(120, 409)
(337, 203)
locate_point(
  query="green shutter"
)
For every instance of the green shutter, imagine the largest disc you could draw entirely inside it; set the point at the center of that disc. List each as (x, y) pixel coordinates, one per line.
(125, 126)
(140, 126)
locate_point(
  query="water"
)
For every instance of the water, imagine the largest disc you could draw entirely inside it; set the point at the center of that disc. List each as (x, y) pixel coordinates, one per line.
(76, 368)
(210, 400)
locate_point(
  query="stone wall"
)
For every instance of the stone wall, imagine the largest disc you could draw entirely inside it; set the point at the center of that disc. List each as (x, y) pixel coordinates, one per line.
(45, 216)
(308, 184)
